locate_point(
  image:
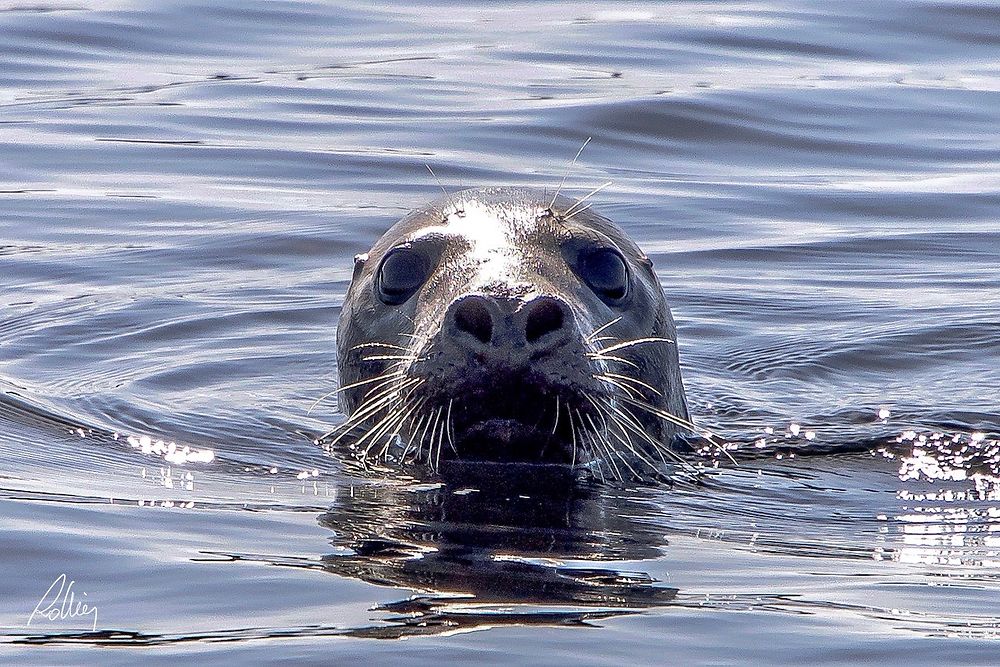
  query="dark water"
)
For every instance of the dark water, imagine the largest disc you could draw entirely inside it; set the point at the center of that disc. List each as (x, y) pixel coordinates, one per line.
(182, 188)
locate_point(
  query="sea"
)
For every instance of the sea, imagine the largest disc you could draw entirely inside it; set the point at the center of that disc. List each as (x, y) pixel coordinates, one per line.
(184, 184)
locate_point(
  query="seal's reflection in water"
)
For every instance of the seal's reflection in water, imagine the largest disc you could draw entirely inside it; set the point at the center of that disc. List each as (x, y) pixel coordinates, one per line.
(490, 546)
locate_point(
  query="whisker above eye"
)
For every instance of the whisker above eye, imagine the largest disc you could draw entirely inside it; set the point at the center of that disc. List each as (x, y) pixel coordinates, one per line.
(555, 195)
(573, 210)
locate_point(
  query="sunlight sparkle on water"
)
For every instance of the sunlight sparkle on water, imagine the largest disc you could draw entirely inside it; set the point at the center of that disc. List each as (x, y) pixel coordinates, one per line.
(963, 456)
(958, 522)
(170, 451)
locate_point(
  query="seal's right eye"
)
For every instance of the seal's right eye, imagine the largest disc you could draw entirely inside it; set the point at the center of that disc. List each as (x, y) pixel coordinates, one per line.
(402, 273)
(605, 271)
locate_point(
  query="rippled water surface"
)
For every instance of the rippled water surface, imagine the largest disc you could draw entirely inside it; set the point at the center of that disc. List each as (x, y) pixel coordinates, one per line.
(182, 189)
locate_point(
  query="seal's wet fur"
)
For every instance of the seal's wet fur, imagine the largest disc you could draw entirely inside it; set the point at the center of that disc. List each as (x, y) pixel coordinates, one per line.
(490, 325)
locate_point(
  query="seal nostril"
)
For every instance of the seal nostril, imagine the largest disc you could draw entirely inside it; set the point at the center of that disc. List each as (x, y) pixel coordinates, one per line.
(473, 317)
(546, 316)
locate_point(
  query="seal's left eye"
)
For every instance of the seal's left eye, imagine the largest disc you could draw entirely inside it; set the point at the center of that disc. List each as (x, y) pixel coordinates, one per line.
(605, 271)
(402, 273)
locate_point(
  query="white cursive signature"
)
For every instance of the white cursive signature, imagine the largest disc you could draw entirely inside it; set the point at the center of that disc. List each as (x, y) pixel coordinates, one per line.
(59, 603)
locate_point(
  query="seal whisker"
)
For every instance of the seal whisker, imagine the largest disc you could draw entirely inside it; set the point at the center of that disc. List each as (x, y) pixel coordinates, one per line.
(609, 357)
(608, 457)
(630, 343)
(368, 408)
(579, 210)
(384, 452)
(391, 357)
(375, 388)
(361, 383)
(638, 452)
(572, 430)
(555, 424)
(629, 426)
(609, 447)
(430, 443)
(616, 379)
(572, 210)
(385, 394)
(347, 430)
(319, 400)
(566, 173)
(672, 418)
(598, 451)
(590, 337)
(449, 426)
(428, 451)
(413, 432)
(440, 443)
(683, 423)
(377, 430)
(343, 425)
(625, 438)
(394, 430)
(396, 413)
(629, 444)
(379, 344)
(423, 435)
(421, 451)
(627, 420)
(446, 195)
(618, 385)
(433, 459)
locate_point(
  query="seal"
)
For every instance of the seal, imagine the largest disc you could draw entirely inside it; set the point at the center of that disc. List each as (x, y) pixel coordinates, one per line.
(509, 325)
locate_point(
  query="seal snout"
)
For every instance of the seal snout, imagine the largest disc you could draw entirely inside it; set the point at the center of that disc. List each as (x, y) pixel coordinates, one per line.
(483, 323)
(512, 368)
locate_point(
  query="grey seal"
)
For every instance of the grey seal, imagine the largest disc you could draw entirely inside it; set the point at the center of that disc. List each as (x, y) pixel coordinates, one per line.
(508, 325)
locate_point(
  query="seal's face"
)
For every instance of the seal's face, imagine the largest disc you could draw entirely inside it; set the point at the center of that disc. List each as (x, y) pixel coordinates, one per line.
(499, 325)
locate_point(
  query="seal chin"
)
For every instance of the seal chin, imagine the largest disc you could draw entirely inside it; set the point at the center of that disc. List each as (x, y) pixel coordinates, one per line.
(511, 441)
(517, 422)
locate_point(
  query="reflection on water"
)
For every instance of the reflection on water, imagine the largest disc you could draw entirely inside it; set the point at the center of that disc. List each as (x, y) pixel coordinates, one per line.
(484, 554)
(958, 524)
(942, 529)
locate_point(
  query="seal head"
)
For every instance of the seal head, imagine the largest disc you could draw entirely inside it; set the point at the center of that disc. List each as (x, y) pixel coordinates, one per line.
(503, 325)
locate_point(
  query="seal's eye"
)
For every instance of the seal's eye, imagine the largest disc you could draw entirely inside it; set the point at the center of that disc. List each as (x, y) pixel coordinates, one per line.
(402, 273)
(606, 273)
